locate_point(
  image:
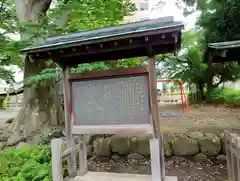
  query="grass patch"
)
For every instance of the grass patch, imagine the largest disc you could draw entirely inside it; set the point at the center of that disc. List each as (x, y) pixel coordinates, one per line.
(228, 96)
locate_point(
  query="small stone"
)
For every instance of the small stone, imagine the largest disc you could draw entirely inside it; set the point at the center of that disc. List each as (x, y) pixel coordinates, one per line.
(200, 157)
(142, 144)
(57, 134)
(103, 159)
(221, 158)
(210, 144)
(102, 147)
(14, 140)
(183, 145)
(178, 160)
(222, 139)
(2, 145)
(22, 145)
(121, 144)
(195, 135)
(116, 157)
(91, 138)
(135, 156)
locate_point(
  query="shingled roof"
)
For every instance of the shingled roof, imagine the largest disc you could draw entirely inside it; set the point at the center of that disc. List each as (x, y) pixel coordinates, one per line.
(224, 51)
(119, 39)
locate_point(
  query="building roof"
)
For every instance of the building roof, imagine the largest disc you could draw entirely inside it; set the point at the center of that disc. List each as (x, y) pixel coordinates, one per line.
(224, 51)
(225, 45)
(100, 41)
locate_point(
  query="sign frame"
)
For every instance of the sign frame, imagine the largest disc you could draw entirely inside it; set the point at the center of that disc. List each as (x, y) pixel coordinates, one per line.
(109, 129)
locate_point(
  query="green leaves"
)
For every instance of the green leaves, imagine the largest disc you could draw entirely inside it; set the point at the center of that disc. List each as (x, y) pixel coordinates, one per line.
(46, 74)
(220, 20)
(26, 164)
(187, 65)
(53, 73)
(225, 95)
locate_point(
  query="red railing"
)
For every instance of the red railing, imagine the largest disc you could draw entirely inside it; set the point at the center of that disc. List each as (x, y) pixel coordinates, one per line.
(182, 93)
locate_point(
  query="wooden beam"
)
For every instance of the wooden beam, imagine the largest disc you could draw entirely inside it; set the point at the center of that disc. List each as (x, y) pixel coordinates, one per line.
(56, 149)
(82, 155)
(113, 129)
(68, 124)
(156, 39)
(154, 110)
(112, 73)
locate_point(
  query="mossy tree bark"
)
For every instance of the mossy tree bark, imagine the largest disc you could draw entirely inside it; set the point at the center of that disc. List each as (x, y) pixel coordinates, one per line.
(41, 99)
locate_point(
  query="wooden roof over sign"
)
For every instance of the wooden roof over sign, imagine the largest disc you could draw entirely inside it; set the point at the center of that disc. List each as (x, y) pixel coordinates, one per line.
(124, 41)
(224, 51)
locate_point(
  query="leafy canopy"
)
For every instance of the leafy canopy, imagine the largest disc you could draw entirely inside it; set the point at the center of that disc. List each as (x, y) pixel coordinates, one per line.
(64, 16)
(218, 22)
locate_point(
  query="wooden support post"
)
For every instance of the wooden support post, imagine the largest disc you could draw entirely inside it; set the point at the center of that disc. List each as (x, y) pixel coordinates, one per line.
(155, 112)
(155, 159)
(82, 155)
(68, 125)
(56, 148)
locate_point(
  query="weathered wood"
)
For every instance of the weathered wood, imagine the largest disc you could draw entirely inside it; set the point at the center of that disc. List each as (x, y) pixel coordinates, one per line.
(104, 176)
(82, 155)
(112, 129)
(68, 125)
(108, 73)
(232, 143)
(56, 148)
(155, 111)
(155, 159)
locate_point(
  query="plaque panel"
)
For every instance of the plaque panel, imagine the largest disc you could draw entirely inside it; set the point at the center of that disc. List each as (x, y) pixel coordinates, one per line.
(115, 101)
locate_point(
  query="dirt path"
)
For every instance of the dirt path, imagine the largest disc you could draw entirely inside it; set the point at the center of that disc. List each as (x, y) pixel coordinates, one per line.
(184, 168)
(202, 117)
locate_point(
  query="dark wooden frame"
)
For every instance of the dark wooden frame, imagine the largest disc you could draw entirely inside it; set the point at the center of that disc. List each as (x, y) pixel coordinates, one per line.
(110, 129)
(107, 74)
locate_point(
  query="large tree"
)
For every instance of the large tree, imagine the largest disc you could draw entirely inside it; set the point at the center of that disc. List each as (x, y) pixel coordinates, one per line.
(218, 22)
(37, 19)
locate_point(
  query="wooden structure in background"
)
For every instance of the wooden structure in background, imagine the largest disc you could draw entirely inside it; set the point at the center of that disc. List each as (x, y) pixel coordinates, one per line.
(223, 52)
(146, 38)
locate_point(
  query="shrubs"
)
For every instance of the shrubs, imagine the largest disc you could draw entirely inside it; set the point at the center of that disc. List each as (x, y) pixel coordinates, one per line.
(26, 164)
(227, 95)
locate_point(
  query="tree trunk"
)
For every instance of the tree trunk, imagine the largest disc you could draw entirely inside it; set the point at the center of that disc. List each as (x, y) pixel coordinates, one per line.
(41, 98)
(210, 75)
(200, 91)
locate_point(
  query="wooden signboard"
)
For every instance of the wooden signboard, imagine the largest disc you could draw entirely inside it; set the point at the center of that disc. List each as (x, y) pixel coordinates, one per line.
(111, 102)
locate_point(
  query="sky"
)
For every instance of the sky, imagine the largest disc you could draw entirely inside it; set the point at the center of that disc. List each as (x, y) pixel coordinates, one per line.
(169, 9)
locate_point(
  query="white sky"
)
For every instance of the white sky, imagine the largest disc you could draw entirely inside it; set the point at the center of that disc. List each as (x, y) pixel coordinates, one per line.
(169, 9)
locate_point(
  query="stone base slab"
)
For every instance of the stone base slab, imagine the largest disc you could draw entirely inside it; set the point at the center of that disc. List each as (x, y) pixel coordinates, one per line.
(105, 176)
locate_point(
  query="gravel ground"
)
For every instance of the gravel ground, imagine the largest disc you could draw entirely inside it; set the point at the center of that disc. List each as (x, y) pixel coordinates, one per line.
(206, 118)
(185, 169)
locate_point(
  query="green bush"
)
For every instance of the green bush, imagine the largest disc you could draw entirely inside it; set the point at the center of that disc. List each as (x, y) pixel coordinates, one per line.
(26, 164)
(226, 95)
